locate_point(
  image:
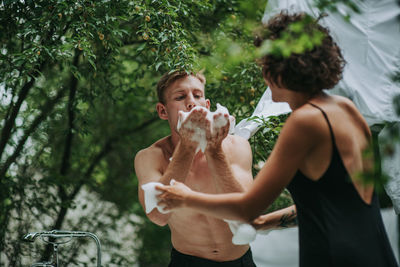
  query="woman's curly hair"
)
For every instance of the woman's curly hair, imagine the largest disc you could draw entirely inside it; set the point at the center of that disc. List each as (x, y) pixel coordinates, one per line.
(310, 71)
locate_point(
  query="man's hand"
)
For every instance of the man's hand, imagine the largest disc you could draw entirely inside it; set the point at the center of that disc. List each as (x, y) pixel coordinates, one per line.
(193, 127)
(218, 133)
(261, 223)
(279, 219)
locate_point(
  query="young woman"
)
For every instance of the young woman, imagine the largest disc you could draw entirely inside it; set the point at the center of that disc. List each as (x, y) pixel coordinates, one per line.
(318, 156)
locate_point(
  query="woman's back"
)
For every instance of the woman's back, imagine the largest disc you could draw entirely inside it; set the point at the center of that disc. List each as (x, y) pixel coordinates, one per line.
(352, 137)
(339, 224)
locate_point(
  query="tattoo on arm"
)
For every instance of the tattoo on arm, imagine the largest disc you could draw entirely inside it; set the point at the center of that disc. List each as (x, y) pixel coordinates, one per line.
(288, 219)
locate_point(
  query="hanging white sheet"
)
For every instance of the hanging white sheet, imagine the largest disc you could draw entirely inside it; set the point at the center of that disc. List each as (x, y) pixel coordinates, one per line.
(370, 43)
(265, 108)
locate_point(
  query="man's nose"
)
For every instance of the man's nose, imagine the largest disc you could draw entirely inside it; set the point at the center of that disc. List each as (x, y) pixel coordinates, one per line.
(190, 106)
(190, 103)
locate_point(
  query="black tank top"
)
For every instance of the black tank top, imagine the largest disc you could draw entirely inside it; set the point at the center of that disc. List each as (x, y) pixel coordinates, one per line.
(336, 227)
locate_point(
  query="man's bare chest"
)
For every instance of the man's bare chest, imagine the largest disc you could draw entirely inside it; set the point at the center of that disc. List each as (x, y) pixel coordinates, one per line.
(200, 179)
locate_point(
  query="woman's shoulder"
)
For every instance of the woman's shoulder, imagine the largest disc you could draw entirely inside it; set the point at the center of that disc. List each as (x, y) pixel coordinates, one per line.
(351, 109)
(344, 102)
(328, 104)
(305, 122)
(306, 115)
(342, 112)
(311, 116)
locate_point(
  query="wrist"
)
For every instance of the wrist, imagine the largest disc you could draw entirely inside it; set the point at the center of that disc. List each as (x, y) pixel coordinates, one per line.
(214, 149)
(265, 222)
(187, 147)
(190, 199)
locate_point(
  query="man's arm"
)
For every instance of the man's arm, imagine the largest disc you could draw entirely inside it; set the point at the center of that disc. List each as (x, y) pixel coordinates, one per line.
(280, 219)
(148, 169)
(149, 162)
(230, 164)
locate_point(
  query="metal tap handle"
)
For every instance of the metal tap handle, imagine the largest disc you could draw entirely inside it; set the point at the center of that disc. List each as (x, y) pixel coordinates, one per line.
(30, 237)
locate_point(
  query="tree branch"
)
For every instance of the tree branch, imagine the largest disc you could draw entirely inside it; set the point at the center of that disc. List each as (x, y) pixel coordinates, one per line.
(46, 109)
(65, 164)
(65, 197)
(70, 111)
(106, 149)
(14, 109)
(9, 124)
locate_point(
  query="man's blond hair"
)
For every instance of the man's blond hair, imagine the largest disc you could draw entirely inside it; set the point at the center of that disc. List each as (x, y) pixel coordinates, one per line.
(168, 78)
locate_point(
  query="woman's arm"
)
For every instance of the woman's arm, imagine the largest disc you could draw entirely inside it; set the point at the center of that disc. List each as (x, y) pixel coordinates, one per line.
(298, 137)
(280, 219)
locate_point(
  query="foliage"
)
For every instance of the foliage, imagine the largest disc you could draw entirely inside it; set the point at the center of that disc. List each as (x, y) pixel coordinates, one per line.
(263, 142)
(77, 103)
(267, 135)
(78, 100)
(61, 114)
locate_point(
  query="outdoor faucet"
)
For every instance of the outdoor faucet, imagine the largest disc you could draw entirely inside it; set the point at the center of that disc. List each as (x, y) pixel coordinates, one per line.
(30, 237)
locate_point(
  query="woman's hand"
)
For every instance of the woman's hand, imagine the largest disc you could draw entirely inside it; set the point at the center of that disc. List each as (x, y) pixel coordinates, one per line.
(173, 196)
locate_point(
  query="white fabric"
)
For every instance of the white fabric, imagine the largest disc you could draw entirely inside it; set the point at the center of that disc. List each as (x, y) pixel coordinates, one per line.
(200, 134)
(265, 108)
(243, 233)
(150, 197)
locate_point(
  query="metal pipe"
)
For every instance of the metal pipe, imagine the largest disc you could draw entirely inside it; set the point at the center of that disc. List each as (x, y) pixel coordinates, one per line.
(30, 237)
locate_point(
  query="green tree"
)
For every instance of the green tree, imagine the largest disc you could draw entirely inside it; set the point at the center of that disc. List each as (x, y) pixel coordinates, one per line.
(78, 98)
(77, 103)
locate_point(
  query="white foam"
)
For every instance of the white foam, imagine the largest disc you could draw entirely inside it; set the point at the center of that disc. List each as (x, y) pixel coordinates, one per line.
(199, 133)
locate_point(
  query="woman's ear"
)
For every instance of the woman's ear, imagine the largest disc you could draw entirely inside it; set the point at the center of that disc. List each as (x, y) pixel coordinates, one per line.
(162, 111)
(208, 103)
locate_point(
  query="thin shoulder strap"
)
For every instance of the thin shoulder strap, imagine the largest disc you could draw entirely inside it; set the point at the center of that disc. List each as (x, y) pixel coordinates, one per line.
(327, 120)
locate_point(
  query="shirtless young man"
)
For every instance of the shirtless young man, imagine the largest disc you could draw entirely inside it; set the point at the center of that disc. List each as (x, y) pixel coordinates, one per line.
(225, 166)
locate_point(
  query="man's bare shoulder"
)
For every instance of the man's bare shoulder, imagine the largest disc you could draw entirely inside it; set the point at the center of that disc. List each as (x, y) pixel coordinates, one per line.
(154, 154)
(237, 147)
(235, 141)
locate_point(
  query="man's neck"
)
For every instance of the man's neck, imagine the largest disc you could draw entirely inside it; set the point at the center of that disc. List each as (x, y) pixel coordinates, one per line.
(174, 140)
